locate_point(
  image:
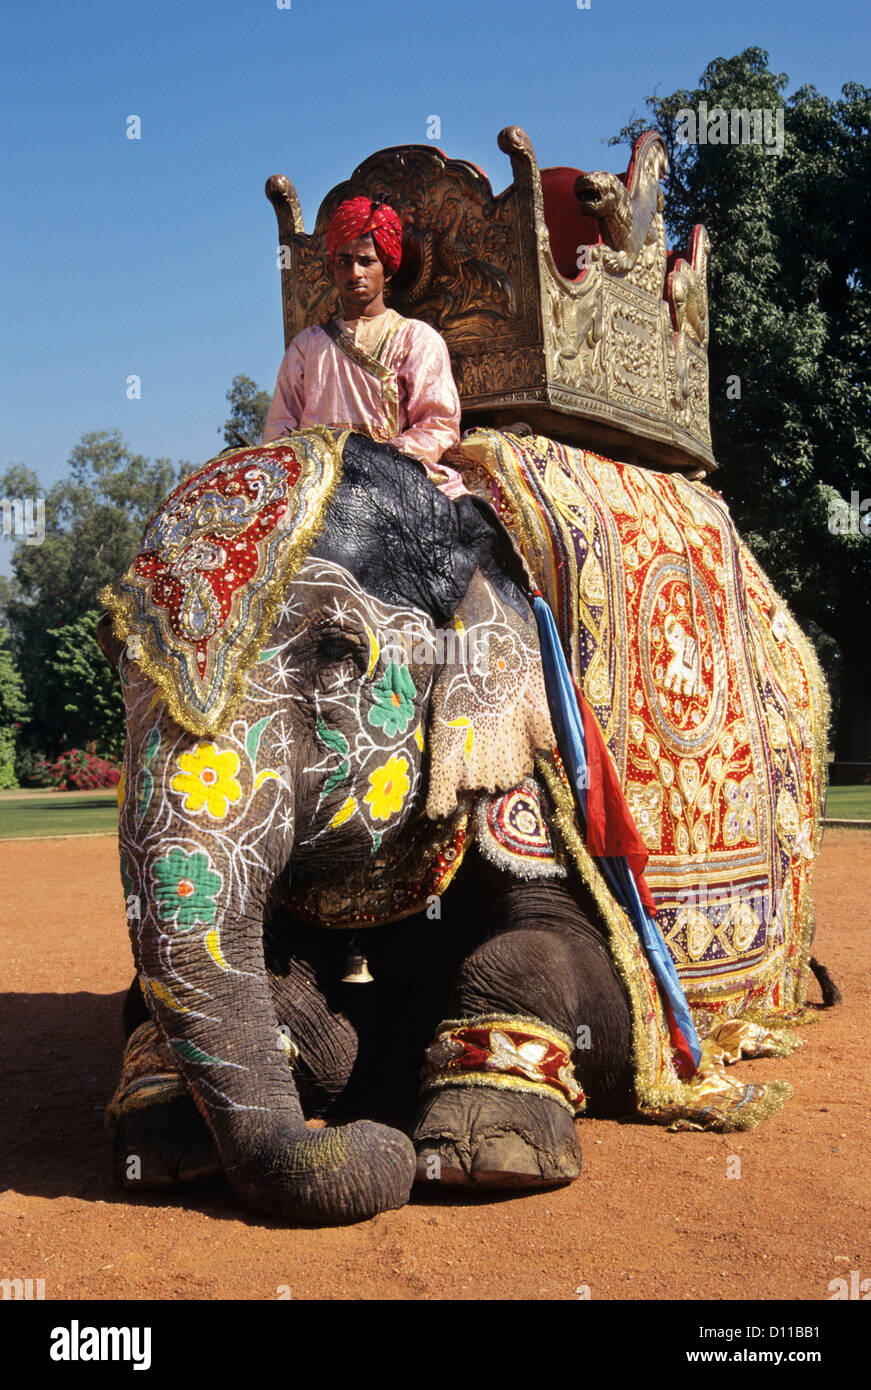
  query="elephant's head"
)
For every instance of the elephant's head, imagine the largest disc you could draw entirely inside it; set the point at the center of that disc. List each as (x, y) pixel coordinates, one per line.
(402, 671)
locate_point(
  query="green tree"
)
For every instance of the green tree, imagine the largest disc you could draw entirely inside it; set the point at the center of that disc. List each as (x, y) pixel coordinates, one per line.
(92, 708)
(250, 407)
(93, 524)
(790, 318)
(14, 711)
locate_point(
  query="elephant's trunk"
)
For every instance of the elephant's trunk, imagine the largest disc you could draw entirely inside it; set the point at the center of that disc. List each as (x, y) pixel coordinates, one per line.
(236, 1067)
(327, 1177)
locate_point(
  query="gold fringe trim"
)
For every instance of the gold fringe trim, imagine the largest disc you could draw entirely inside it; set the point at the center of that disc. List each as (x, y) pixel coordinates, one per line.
(821, 713)
(658, 1100)
(122, 606)
(498, 1081)
(716, 990)
(783, 1026)
(772, 1097)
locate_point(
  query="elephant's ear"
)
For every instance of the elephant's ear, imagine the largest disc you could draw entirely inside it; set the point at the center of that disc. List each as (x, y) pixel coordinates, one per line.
(488, 714)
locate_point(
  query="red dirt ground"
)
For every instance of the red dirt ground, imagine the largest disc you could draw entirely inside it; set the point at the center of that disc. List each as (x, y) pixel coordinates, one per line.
(653, 1215)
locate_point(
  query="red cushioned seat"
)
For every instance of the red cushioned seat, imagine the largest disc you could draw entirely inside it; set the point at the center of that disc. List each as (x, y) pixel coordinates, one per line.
(567, 226)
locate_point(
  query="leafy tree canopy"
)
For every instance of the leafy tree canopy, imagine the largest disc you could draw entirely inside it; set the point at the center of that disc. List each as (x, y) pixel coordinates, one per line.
(93, 523)
(250, 407)
(14, 711)
(88, 707)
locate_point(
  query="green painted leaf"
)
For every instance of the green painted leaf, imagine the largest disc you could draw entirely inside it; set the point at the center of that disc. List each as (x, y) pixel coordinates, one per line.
(253, 737)
(332, 738)
(336, 777)
(267, 655)
(196, 1054)
(147, 791)
(151, 746)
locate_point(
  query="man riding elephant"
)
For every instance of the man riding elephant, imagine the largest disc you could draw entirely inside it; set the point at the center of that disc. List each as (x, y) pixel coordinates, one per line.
(372, 371)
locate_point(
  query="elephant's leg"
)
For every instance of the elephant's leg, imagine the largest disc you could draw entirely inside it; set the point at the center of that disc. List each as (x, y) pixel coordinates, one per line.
(171, 1141)
(201, 873)
(547, 962)
(322, 1038)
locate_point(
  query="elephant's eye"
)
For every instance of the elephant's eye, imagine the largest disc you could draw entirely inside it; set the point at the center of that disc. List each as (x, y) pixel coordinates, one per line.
(335, 647)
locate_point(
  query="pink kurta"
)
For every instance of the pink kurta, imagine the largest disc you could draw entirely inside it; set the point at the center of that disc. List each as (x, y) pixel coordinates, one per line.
(391, 379)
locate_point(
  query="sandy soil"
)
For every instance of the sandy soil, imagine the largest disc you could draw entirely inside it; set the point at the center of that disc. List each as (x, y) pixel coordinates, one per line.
(653, 1216)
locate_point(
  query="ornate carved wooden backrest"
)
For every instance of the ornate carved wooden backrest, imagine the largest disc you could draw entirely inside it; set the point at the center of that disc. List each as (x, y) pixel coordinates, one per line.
(610, 351)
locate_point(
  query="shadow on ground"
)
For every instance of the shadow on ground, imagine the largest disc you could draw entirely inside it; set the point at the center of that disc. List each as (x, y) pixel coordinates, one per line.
(62, 1056)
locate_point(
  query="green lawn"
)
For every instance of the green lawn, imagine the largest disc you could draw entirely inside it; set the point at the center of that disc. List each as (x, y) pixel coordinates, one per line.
(849, 803)
(28, 813)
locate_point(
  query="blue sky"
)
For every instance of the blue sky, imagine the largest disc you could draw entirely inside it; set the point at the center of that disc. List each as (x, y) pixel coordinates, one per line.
(158, 256)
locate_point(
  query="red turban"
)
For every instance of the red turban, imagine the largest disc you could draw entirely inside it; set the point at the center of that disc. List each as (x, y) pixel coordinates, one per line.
(361, 217)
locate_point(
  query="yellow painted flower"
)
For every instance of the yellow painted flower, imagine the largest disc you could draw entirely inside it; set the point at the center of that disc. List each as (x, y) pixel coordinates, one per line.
(207, 778)
(388, 788)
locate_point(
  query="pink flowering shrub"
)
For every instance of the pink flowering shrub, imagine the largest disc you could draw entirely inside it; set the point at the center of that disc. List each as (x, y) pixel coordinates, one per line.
(78, 770)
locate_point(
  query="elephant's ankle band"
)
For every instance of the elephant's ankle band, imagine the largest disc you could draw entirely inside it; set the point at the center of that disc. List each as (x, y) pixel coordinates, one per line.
(505, 1052)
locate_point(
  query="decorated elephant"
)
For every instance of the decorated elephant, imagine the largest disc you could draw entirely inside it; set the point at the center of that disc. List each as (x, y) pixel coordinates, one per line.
(341, 732)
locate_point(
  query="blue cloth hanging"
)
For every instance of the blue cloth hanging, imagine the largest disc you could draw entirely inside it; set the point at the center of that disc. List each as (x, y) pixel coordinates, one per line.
(569, 729)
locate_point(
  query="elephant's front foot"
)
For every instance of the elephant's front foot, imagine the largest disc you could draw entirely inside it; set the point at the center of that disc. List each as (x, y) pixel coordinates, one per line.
(163, 1146)
(325, 1177)
(475, 1136)
(160, 1138)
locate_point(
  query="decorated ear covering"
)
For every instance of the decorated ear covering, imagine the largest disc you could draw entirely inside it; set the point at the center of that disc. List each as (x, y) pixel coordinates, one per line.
(489, 713)
(197, 604)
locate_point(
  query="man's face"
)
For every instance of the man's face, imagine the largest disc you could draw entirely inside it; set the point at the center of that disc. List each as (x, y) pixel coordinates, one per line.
(359, 275)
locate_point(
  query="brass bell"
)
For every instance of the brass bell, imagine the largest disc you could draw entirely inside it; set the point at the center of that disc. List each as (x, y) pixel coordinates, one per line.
(356, 966)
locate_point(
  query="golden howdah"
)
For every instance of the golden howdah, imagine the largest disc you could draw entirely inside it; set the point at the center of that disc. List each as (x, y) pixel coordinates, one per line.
(558, 298)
